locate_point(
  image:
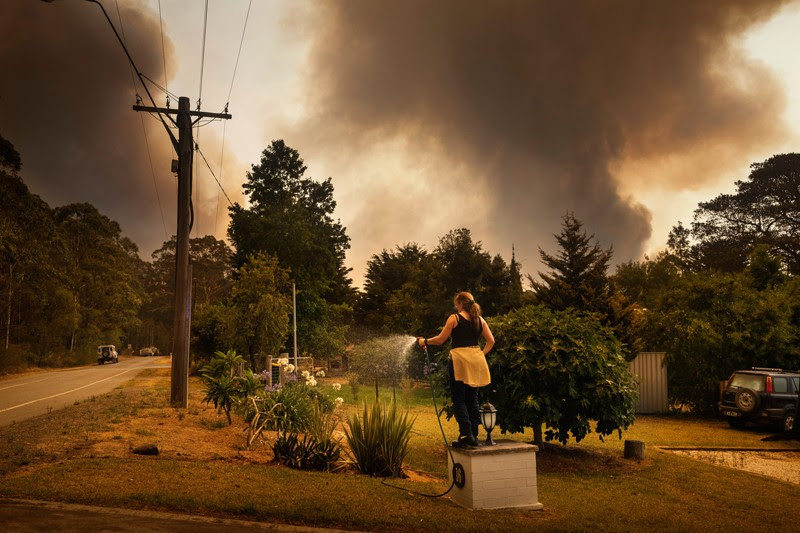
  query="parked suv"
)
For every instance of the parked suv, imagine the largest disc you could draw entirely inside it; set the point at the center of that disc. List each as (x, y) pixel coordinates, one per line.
(761, 395)
(107, 353)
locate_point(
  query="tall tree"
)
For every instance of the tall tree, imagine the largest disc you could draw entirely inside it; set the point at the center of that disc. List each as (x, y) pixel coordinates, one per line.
(396, 292)
(291, 217)
(408, 290)
(211, 278)
(516, 295)
(260, 304)
(765, 209)
(578, 271)
(29, 245)
(10, 160)
(100, 272)
(578, 279)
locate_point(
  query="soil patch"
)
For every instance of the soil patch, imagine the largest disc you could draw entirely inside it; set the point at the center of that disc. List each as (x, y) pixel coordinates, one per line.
(783, 465)
(198, 433)
(136, 414)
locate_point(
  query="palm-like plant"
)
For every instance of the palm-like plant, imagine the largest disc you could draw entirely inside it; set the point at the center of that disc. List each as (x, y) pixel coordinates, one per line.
(378, 439)
(223, 389)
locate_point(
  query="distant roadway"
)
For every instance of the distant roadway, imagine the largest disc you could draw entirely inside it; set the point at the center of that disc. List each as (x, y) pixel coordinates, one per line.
(37, 393)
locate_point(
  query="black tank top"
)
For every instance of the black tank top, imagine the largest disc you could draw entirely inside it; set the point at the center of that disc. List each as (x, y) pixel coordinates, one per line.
(464, 334)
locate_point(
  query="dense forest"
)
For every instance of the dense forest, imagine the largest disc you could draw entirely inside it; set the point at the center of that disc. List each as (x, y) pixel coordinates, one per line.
(723, 295)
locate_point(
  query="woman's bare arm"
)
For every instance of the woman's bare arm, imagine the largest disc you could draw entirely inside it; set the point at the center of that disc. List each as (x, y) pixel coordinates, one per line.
(487, 335)
(442, 337)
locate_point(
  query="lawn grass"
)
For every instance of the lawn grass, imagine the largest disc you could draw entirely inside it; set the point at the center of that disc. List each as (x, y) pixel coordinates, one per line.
(582, 486)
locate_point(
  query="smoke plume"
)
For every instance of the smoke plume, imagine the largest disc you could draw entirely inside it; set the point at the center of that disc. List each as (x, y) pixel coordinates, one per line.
(529, 106)
(65, 103)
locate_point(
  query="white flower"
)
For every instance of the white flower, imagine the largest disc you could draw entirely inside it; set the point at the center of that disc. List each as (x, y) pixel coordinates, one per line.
(339, 401)
(311, 382)
(321, 374)
(337, 386)
(283, 361)
(290, 368)
(305, 374)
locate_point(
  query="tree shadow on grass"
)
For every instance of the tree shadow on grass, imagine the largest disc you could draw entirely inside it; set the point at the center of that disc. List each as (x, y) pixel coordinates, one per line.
(559, 459)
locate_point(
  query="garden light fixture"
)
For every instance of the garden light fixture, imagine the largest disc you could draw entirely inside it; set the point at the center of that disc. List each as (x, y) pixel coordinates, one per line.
(488, 419)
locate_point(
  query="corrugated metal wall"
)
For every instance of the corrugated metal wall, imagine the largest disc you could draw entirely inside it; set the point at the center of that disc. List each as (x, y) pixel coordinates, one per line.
(651, 375)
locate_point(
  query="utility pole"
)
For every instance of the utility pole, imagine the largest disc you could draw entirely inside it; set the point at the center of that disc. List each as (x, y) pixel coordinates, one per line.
(294, 319)
(182, 317)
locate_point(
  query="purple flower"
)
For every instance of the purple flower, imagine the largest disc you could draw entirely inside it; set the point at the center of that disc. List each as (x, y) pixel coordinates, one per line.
(430, 368)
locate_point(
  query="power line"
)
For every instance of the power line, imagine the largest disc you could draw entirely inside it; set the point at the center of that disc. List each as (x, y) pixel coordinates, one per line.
(227, 102)
(153, 174)
(221, 168)
(203, 56)
(144, 130)
(239, 53)
(163, 54)
(199, 103)
(197, 149)
(163, 89)
(124, 40)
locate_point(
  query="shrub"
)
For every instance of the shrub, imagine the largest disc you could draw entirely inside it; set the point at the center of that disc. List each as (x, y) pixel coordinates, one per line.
(317, 449)
(250, 384)
(223, 388)
(287, 408)
(378, 439)
(560, 368)
(223, 392)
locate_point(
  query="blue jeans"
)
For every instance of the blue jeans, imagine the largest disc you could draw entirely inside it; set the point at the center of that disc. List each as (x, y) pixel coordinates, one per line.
(465, 405)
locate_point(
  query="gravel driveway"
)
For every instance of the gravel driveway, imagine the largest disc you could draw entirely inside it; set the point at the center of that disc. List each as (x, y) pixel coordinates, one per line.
(783, 465)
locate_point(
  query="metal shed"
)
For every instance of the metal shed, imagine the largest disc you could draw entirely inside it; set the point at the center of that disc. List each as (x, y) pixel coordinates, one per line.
(651, 376)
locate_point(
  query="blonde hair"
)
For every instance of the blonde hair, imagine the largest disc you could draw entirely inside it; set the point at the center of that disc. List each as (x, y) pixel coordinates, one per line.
(472, 308)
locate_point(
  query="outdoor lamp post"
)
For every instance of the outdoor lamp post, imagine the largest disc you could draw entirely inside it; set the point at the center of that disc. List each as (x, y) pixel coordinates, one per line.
(488, 419)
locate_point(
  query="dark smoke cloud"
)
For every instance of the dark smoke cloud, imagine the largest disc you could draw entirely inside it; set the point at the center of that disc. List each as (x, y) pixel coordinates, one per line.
(65, 103)
(541, 100)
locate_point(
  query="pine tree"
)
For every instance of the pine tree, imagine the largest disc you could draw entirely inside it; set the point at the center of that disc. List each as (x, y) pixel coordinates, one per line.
(578, 271)
(515, 292)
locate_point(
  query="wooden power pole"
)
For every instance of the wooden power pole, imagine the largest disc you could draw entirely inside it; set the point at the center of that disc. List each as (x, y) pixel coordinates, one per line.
(182, 317)
(179, 391)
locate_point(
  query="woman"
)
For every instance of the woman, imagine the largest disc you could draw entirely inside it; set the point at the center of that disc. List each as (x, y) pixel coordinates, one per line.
(467, 366)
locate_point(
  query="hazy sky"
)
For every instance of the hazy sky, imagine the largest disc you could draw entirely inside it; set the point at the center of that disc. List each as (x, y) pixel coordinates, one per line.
(497, 116)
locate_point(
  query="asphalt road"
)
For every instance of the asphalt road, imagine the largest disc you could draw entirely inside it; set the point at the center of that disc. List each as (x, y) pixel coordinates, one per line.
(37, 516)
(38, 393)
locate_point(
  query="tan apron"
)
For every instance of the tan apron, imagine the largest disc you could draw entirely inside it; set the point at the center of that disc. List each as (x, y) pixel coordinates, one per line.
(469, 366)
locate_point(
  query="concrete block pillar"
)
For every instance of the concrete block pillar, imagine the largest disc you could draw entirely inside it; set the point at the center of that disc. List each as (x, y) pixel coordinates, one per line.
(496, 477)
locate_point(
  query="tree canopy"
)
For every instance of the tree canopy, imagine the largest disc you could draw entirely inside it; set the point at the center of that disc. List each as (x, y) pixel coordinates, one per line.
(578, 279)
(408, 290)
(563, 369)
(70, 279)
(291, 218)
(764, 209)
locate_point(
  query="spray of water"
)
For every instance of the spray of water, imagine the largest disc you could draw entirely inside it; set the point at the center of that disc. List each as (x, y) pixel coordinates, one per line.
(384, 358)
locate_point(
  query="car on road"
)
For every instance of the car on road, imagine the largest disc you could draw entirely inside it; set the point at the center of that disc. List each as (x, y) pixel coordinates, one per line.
(761, 395)
(107, 353)
(149, 350)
